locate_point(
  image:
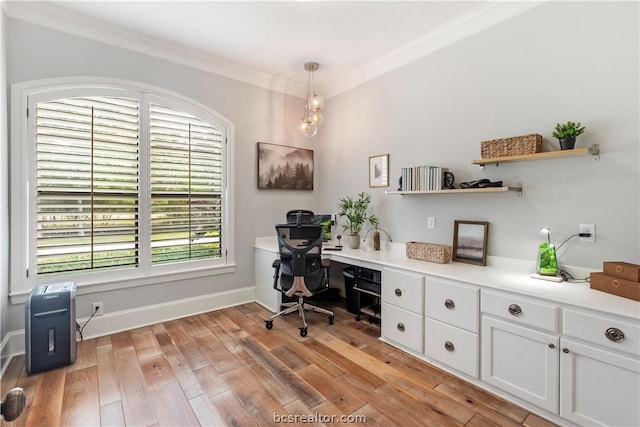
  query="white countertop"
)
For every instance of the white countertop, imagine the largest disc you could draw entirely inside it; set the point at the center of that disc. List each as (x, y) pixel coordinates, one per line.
(500, 273)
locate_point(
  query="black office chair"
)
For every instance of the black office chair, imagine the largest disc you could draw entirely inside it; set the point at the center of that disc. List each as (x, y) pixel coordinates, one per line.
(300, 216)
(301, 272)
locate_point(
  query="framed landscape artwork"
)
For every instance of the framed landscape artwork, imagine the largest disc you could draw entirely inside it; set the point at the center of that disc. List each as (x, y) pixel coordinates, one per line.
(470, 242)
(284, 168)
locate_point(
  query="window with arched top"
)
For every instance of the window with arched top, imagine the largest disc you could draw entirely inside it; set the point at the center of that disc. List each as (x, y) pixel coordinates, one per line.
(117, 183)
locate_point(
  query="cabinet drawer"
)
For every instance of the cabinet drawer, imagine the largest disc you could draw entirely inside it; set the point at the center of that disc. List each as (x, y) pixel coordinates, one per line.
(402, 327)
(522, 310)
(403, 289)
(452, 303)
(452, 346)
(605, 331)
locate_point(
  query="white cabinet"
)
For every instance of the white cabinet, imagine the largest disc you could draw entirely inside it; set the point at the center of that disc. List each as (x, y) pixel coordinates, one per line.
(402, 296)
(451, 325)
(516, 357)
(452, 346)
(599, 385)
(402, 327)
(521, 361)
(403, 289)
(263, 270)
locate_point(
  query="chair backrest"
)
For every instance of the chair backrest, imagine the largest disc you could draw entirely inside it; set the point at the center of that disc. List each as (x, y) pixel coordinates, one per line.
(300, 216)
(300, 248)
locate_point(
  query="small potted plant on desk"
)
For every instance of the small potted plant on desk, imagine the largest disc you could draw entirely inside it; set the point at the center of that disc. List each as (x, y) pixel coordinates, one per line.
(567, 134)
(355, 211)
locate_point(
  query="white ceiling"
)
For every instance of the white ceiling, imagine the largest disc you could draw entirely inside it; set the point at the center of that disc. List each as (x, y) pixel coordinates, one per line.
(267, 42)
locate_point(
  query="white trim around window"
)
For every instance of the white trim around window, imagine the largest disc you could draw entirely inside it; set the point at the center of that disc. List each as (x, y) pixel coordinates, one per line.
(23, 187)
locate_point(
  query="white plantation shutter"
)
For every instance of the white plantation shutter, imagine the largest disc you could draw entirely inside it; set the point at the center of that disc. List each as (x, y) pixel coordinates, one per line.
(87, 184)
(125, 182)
(186, 186)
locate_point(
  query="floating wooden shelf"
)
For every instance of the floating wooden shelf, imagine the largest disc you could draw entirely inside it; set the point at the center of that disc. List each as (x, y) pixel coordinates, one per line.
(593, 150)
(517, 188)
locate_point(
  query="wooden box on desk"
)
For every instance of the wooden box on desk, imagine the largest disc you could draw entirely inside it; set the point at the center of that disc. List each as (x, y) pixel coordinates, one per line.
(622, 270)
(616, 286)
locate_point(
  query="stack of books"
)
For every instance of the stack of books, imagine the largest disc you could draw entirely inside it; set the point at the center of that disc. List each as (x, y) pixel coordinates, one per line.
(423, 178)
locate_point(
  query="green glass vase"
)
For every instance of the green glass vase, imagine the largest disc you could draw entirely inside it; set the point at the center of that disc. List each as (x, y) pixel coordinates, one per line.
(547, 263)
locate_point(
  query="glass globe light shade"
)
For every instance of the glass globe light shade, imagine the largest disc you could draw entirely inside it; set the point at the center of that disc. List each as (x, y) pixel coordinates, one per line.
(316, 117)
(302, 124)
(316, 103)
(310, 129)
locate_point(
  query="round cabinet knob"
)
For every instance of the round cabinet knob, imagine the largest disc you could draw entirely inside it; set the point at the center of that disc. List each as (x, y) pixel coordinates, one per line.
(448, 345)
(515, 310)
(552, 346)
(398, 292)
(615, 283)
(449, 304)
(619, 268)
(565, 350)
(614, 334)
(400, 327)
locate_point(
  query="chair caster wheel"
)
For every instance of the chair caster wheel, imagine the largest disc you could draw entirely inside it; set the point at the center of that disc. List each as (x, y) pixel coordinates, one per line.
(331, 318)
(268, 324)
(303, 332)
(358, 318)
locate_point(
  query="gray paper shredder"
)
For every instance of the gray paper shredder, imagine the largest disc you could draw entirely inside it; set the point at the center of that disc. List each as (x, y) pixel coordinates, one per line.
(50, 327)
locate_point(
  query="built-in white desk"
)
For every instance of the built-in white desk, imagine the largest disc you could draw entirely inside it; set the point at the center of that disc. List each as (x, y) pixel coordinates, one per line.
(503, 274)
(550, 347)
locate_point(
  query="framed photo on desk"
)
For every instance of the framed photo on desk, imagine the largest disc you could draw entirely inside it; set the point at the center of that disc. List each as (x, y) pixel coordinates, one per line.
(470, 242)
(379, 170)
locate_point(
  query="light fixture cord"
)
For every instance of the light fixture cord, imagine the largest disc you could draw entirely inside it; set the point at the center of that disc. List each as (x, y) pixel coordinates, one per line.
(312, 78)
(306, 102)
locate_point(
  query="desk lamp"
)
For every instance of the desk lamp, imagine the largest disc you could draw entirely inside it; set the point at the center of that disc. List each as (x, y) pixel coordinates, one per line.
(547, 263)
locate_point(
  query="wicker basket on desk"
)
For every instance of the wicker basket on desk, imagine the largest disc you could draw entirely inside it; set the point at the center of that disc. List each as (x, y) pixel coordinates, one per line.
(514, 146)
(432, 252)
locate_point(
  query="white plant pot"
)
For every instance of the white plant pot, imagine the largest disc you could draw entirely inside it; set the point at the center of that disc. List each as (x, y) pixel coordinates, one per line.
(354, 241)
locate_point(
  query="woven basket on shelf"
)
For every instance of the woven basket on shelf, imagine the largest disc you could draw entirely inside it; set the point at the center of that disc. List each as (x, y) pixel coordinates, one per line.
(514, 146)
(432, 252)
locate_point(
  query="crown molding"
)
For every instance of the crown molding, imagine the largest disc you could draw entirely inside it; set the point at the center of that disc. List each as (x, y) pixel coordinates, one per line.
(54, 17)
(48, 15)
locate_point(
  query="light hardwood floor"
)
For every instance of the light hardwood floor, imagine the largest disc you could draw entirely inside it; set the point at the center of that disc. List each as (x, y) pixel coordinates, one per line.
(224, 368)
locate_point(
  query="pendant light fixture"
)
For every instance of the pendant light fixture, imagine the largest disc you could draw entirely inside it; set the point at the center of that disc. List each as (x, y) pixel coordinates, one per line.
(313, 105)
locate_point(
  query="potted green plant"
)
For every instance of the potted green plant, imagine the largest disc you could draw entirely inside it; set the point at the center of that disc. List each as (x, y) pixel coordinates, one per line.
(355, 212)
(567, 134)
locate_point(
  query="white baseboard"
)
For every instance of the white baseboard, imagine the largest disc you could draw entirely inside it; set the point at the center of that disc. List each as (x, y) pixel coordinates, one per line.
(13, 344)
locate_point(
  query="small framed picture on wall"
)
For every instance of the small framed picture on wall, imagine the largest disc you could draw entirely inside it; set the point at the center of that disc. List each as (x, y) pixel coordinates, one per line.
(470, 242)
(379, 170)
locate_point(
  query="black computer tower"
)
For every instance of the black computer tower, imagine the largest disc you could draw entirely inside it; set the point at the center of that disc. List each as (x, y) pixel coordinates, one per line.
(50, 327)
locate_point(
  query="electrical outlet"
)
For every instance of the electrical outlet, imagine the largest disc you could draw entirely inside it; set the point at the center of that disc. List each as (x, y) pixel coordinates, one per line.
(588, 228)
(431, 222)
(99, 307)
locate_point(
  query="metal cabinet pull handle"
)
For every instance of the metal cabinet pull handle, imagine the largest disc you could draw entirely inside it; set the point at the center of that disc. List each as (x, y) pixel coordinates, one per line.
(449, 304)
(565, 350)
(398, 292)
(400, 327)
(552, 345)
(449, 346)
(614, 334)
(515, 310)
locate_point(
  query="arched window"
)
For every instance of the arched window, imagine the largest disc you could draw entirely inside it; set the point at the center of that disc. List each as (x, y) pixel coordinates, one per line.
(119, 181)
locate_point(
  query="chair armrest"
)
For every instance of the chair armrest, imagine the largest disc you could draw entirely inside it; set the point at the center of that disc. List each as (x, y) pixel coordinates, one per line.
(276, 263)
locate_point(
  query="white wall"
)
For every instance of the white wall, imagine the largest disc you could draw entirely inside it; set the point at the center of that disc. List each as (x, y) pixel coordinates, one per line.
(4, 185)
(258, 114)
(558, 62)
